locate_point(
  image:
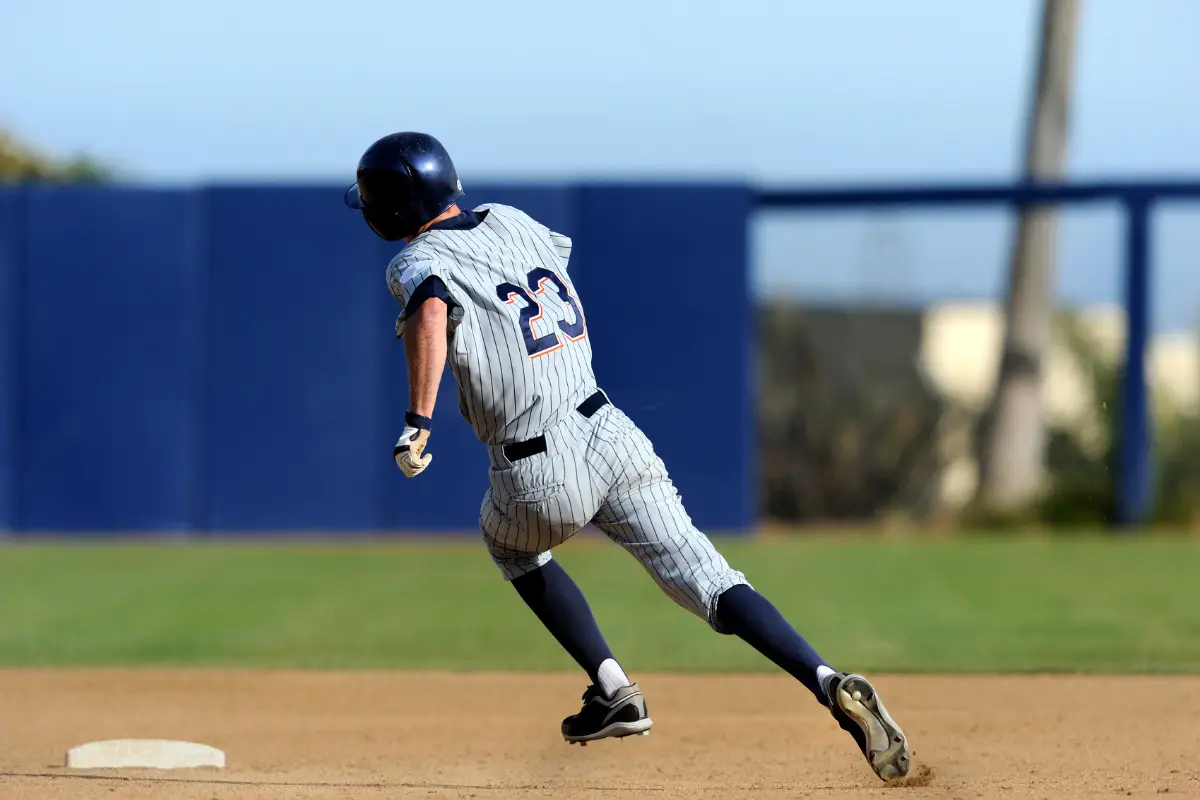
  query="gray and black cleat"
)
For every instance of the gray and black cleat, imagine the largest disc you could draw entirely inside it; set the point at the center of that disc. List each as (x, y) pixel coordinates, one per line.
(623, 714)
(857, 708)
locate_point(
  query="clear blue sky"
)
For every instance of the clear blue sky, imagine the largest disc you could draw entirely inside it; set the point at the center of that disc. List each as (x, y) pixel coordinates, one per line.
(776, 91)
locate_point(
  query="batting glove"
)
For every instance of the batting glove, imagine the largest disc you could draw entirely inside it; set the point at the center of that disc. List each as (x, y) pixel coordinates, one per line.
(409, 451)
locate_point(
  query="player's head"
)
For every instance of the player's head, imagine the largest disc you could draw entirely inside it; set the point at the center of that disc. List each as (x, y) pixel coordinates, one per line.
(405, 180)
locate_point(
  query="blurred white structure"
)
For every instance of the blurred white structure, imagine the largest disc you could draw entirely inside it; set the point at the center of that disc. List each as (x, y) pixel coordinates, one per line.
(960, 347)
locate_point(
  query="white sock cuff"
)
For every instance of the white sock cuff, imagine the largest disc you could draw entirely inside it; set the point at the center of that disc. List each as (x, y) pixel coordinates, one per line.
(824, 673)
(611, 677)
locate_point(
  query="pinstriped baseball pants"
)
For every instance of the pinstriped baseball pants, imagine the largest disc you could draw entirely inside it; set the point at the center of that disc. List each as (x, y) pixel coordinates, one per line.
(602, 471)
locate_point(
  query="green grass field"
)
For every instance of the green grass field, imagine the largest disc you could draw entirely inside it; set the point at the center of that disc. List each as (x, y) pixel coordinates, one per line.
(970, 604)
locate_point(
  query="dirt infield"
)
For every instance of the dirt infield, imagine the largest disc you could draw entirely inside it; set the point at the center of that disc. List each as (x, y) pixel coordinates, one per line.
(405, 735)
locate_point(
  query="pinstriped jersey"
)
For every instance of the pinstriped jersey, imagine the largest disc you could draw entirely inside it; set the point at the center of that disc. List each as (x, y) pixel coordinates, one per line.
(517, 341)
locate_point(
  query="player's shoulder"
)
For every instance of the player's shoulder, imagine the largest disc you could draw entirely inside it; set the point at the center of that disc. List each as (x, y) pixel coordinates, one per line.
(409, 267)
(500, 214)
(408, 259)
(499, 209)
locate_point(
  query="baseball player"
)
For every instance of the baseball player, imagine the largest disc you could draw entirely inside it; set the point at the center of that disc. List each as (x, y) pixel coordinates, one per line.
(488, 292)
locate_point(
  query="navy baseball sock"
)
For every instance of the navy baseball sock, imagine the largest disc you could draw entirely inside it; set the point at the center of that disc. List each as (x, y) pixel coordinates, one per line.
(751, 617)
(562, 608)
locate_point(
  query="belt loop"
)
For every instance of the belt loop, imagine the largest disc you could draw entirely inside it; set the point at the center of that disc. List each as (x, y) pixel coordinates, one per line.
(499, 459)
(596, 401)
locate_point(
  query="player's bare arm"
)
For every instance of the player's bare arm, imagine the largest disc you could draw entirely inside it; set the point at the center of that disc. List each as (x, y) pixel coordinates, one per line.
(425, 350)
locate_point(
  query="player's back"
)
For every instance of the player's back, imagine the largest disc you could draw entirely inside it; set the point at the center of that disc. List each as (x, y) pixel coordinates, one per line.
(518, 349)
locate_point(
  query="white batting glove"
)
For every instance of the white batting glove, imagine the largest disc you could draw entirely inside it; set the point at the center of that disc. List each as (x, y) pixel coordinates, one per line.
(409, 451)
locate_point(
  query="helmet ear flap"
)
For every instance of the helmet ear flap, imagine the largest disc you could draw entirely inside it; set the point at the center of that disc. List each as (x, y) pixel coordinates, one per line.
(389, 199)
(389, 225)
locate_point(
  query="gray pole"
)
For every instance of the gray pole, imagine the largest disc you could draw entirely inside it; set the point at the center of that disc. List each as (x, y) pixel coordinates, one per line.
(1013, 433)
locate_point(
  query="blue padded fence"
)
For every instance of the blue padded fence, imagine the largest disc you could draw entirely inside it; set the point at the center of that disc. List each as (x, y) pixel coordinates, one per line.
(107, 425)
(222, 359)
(12, 258)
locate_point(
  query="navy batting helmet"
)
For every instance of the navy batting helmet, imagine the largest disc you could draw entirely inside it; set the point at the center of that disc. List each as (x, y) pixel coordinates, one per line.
(405, 180)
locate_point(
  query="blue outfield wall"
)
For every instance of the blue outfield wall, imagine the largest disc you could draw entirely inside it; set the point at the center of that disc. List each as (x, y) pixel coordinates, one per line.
(107, 424)
(290, 367)
(12, 245)
(222, 359)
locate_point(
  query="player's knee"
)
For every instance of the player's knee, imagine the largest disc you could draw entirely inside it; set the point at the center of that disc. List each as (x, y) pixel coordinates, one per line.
(513, 564)
(728, 580)
(700, 593)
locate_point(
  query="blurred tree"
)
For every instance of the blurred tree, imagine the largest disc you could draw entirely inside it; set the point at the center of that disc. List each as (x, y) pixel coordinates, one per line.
(1012, 436)
(20, 163)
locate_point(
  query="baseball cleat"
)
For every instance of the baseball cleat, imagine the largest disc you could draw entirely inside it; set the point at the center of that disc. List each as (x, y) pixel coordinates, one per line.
(857, 708)
(623, 714)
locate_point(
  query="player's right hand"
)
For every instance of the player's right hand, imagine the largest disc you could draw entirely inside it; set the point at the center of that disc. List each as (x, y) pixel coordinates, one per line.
(409, 451)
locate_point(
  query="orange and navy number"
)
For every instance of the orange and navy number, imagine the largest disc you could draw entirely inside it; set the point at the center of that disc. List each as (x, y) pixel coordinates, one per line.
(533, 311)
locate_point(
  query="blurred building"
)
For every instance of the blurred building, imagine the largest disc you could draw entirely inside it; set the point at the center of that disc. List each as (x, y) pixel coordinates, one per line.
(870, 411)
(960, 346)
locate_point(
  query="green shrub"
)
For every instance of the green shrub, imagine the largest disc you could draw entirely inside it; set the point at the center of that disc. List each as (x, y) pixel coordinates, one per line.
(1082, 474)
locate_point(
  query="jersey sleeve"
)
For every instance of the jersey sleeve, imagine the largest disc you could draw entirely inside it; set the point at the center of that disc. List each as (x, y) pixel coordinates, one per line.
(561, 245)
(431, 288)
(409, 281)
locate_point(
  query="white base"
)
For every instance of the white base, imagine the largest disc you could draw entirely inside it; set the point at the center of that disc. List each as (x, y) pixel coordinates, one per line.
(144, 754)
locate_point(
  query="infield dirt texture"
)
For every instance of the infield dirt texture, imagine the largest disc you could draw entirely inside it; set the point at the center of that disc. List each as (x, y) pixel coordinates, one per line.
(202, 641)
(410, 735)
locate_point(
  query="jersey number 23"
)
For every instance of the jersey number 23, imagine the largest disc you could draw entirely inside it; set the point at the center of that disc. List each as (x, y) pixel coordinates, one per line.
(532, 311)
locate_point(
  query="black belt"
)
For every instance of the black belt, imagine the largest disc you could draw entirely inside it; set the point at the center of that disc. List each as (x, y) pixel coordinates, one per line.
(531, 447)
